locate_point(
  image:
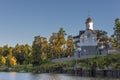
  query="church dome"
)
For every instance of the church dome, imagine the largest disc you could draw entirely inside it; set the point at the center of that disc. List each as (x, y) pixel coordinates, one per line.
(88, 20)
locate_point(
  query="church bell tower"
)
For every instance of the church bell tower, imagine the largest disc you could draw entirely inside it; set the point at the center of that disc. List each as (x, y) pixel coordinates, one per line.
(89, 24)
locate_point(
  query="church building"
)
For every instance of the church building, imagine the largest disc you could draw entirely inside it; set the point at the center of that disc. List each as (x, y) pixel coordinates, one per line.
(86, 41)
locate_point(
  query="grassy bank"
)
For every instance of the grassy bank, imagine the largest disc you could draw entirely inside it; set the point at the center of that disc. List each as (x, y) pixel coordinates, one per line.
(111, 62)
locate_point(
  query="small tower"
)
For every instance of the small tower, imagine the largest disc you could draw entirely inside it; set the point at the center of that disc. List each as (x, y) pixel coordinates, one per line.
(89, 24)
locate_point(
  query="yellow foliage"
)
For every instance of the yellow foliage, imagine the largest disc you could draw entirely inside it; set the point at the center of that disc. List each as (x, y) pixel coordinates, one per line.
(13, 61)
(3, 60)
(43, 56)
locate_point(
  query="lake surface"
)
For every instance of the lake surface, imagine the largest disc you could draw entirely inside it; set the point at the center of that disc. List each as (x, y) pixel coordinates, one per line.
(31, 76)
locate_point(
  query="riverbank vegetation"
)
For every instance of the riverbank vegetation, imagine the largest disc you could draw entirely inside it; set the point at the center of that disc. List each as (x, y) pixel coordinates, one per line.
(42, 51)
(108, 62)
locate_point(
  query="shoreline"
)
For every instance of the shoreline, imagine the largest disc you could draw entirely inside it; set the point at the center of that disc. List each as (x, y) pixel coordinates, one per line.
(78, 72)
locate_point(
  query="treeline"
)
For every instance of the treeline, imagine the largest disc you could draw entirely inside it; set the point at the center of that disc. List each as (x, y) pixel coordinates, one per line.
(57, 47)
(20, 54)
(41, 50)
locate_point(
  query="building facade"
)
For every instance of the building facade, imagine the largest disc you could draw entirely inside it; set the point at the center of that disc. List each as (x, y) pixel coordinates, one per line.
(86, 41)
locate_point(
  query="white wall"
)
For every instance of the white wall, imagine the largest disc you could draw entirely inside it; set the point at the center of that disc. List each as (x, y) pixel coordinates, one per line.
(89, 25)
(88, 39)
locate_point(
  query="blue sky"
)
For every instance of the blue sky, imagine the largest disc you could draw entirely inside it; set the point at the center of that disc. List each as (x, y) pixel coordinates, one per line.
(21, 20)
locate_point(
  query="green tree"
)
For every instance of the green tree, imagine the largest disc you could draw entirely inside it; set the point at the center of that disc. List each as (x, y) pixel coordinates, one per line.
(103, 39)
(9, 56)
(102, 36)
(5, 50)
(19, 53)
(117, 32)
(27, 52)
(36, 50)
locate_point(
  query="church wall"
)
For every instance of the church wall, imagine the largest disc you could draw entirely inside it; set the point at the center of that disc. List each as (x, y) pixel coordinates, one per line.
(88, 39)
(89, 50)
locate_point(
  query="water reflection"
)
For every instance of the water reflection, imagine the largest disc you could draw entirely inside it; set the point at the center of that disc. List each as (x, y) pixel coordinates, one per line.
(30, 76)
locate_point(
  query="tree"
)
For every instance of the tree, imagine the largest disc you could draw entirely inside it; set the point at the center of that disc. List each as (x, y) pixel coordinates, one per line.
(9, 56)
(13, 61)
(61, 42)
(0, 50)
(5, 50)
(57, 43)
(2, 60)
(0, 56)
(103, 39)
(43, 56)
(70, 46)
(117, 32)
(44, 49)
(19, 53)
(102, 36)
(53, 45)
(36, 50)
(27, 52)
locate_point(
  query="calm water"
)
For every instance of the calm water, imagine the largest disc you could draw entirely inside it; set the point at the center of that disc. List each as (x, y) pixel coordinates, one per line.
(30, 76)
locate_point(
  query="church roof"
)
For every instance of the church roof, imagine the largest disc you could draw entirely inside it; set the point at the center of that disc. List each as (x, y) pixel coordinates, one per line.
(83, 31)
(88, 20)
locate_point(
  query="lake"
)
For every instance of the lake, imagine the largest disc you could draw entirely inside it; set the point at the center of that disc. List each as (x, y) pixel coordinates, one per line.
(45, 76)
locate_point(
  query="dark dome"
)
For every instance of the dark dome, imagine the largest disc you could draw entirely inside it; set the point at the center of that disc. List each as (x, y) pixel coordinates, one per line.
(88, 20)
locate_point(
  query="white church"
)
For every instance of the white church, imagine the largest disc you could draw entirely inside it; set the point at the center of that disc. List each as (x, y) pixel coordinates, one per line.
(86, 41)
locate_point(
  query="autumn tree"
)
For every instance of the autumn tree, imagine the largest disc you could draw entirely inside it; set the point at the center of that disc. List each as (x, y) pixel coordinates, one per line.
(18, 52)
(22, 53)
(44, 49)
(57, 43)
(6, 53)
(38, 50)
(13, 61)
(53, 45)
(70, 46)
(2, 60)
(61, 42)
